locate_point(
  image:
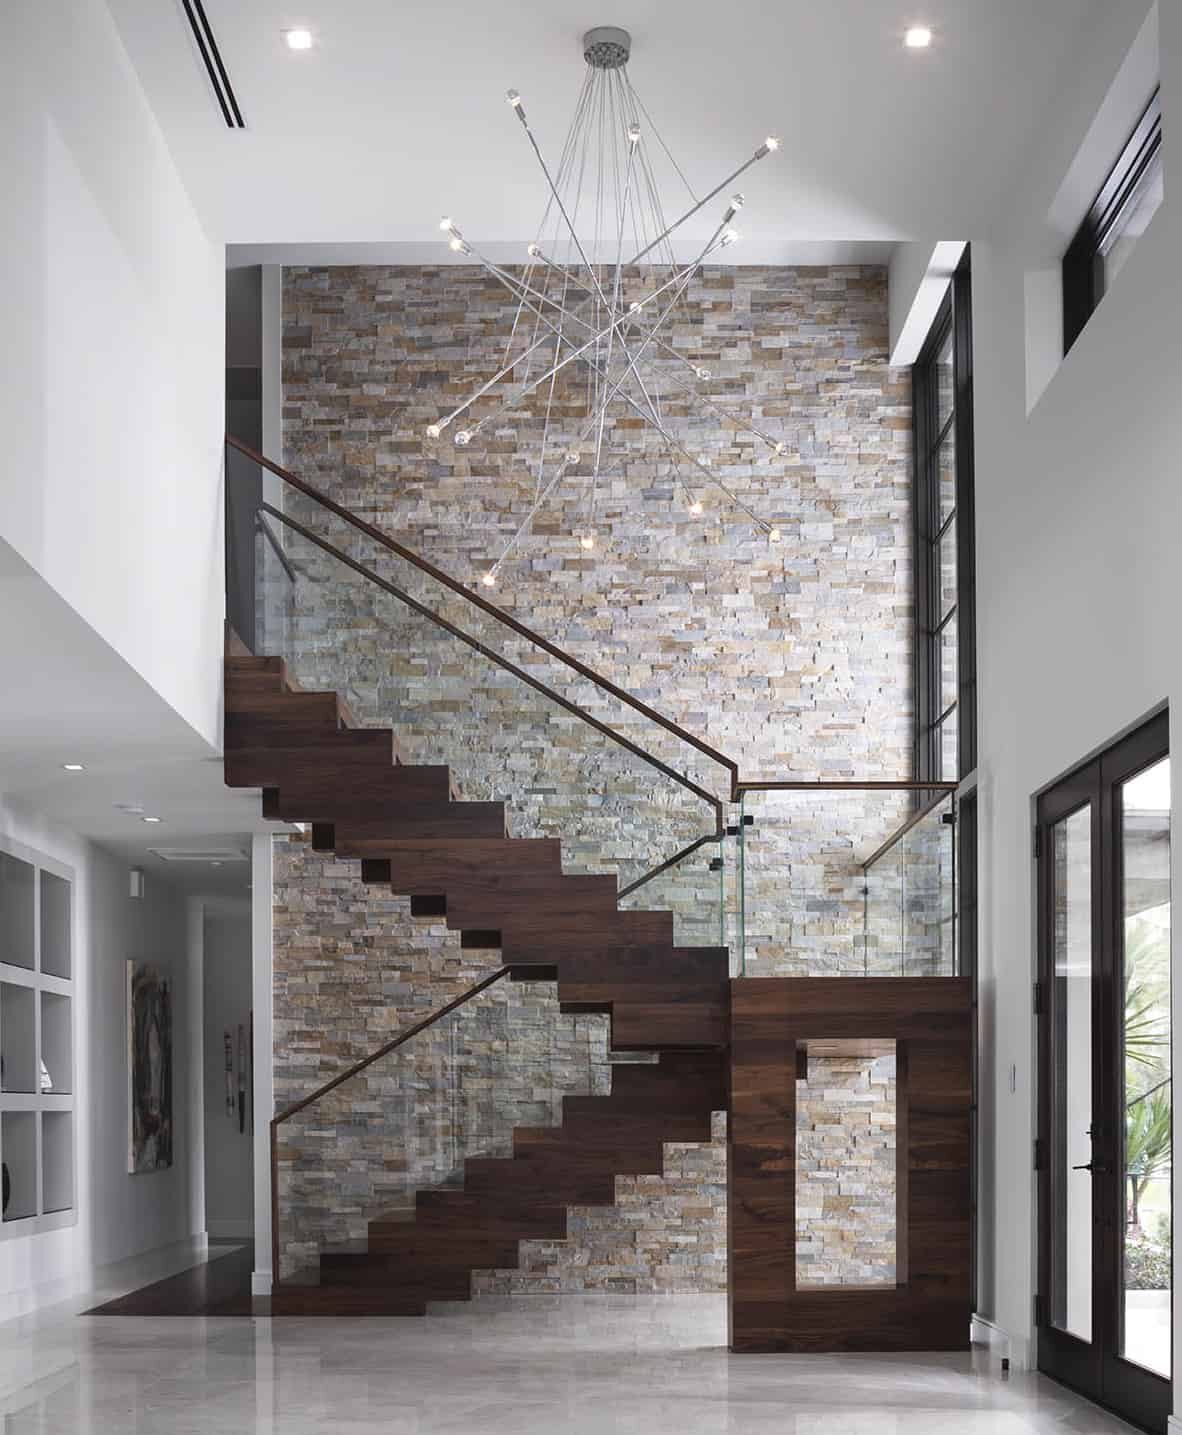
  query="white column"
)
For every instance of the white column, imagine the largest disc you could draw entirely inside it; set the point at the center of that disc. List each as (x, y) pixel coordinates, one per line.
(262, 1059)
(195, 1059)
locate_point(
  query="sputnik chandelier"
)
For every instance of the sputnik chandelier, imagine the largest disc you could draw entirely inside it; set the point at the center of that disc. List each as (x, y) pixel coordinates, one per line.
(595, 339)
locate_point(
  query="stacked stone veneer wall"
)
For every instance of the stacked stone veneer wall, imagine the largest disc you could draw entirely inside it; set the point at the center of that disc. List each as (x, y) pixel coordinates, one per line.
(795, 658)
(845, 1171)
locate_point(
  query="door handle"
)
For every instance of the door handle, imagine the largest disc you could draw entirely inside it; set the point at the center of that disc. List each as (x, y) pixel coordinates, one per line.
(1096, 1167)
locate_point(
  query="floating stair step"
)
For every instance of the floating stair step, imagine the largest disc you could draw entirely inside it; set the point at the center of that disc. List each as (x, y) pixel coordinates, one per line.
(355, 795)
(467, 1215)
(496, 899)
(421, 864)
(521, 1177)
(657, 963)
(422, 1247)
(372, 837)
(341, 750)
(621, 933)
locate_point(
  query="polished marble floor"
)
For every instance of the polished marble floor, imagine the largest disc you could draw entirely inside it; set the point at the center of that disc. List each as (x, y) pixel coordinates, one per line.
(574, 1365)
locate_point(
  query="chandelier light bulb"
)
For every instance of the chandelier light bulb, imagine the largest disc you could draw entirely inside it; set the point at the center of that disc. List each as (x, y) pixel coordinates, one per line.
(702, 373)
(772, 143)
(918, 37)
(445, 224)
(633, 133)
(534, 251)
(696, 506)
(730, 236)
(434, 430)
(634, 307)
(773, 535)
(458, 245)
(573, 456)
(780, 448)
(464, 438)
(513, 98)
(488, 579)
(587, 541)
(737, 201)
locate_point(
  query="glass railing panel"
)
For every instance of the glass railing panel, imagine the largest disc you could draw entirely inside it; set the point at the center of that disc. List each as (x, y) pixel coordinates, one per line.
(410, 1121)
(695, 889)
(804, 899)
(928, 886)
(884, 913)
(825, 891)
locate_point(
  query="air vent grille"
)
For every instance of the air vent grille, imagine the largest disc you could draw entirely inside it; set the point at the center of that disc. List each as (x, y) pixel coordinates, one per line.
(211, 57)
(198, 854)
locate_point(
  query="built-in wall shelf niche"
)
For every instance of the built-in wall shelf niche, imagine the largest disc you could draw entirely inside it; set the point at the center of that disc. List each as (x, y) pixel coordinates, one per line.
(55, 925)
(57, 1161)
(56, 1072)
(18, 1038)
(18, 1140)
(37, 1066)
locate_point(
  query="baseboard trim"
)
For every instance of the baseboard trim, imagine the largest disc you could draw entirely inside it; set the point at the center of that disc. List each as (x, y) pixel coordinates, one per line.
(260, 1282)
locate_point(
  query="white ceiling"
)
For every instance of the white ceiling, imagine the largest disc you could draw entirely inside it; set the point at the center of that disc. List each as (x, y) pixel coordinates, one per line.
(398, 115)
(77, 701)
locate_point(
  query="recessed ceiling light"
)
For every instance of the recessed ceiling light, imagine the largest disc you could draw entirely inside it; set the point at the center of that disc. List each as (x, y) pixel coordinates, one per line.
(152, 819)
(74, 766)
(918, 37)
(298, 39)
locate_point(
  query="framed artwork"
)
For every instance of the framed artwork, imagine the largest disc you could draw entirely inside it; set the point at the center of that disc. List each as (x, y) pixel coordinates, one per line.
(149, 1068)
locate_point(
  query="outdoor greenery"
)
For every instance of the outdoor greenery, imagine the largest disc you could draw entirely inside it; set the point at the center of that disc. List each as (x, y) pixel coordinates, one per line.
(1148, 1115)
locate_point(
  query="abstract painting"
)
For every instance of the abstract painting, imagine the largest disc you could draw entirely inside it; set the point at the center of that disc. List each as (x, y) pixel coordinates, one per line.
(149, 1068)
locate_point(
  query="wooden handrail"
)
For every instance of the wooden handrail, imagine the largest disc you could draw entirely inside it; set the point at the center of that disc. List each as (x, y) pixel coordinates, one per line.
(891, 785)
(913, 821)
(422, 564)
(358, 1066)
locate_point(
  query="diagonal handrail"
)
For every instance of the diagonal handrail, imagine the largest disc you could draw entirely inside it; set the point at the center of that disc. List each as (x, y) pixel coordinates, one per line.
(470, 594)
(358, 1066)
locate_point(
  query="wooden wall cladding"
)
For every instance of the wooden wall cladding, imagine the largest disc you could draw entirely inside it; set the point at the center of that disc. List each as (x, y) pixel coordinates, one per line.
(930, 1020)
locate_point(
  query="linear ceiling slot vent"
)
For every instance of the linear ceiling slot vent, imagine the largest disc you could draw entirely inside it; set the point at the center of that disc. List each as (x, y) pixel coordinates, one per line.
(199, 854)
(214, 68)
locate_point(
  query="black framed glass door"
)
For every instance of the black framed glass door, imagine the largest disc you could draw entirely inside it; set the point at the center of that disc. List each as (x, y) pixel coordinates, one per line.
(1103, 843)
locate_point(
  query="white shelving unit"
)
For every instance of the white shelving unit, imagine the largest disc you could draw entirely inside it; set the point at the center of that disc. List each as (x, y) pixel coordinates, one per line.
(37, 1066)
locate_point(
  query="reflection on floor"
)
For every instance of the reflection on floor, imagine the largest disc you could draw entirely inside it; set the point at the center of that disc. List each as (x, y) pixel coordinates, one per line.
(534, 1365)
(218, 1286)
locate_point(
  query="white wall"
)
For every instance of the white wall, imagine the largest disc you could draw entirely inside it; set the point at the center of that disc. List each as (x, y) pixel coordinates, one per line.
(1079, 531)
(111, 368)
(229, 1188)
(119, 1215)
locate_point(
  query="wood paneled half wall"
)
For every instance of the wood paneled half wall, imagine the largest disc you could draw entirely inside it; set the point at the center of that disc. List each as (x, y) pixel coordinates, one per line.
(929, 1020)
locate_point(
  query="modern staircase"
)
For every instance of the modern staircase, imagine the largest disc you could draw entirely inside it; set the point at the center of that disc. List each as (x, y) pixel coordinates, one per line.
(410, 831)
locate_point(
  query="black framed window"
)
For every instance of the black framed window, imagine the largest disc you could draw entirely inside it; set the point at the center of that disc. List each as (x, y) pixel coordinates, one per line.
(945, 608)
(1119, 215)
